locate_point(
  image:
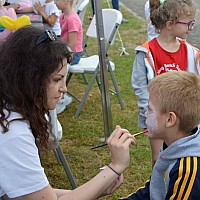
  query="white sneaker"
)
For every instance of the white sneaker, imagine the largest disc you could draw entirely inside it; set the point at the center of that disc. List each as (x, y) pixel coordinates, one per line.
(62, 103)
(59, 136)
(125, 20)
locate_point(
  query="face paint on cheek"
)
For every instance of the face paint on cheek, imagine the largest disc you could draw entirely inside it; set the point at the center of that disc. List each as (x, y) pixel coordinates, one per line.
(152, 123)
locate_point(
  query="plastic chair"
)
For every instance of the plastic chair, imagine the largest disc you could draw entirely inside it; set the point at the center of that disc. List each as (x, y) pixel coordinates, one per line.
(55, 146)
(81, 8)
(90, 65)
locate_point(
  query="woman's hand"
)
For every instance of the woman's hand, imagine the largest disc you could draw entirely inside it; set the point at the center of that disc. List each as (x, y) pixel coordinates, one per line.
(119, 142)
(115, 185)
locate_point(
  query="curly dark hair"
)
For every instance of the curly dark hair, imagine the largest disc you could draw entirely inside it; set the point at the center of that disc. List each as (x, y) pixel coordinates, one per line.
(24, 75)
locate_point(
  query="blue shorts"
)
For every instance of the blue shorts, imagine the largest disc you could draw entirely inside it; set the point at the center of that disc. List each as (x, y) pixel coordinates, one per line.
(76, 58)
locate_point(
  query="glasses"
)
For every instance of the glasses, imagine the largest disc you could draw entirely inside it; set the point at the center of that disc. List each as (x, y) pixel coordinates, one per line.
(46, 35)
(190, 24)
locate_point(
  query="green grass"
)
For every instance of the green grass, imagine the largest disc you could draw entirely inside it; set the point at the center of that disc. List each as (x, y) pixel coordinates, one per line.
(79, 135)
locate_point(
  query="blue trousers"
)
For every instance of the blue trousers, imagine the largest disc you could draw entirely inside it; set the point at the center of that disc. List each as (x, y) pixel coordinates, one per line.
(115, 4)
(76, 58)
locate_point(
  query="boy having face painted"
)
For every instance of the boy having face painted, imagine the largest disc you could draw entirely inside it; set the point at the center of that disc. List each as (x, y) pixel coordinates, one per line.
(173, 116)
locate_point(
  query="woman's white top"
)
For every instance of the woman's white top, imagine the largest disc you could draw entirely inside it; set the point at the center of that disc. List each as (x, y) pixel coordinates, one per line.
(21, 172)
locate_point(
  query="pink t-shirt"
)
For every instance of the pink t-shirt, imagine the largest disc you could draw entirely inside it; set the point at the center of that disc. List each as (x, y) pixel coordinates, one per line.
(72, 23)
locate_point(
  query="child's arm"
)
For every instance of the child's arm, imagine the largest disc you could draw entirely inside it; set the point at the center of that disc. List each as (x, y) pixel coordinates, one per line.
(51, 19)
(72, 40)
(139, 84)
(25, 10)
(13, 5)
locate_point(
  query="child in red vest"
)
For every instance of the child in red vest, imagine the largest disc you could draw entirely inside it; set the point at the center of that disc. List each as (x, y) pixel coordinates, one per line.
(172, 19)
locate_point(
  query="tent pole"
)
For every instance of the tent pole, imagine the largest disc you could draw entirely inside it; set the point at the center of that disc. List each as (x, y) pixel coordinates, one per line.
(106, 105)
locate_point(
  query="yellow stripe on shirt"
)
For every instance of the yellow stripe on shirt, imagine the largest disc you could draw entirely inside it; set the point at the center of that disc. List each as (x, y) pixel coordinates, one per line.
(194, 172)
(187, 174)
(180, 174)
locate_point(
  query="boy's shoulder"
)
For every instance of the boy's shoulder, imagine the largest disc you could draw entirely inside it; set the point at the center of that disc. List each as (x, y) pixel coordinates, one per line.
(185, 174)
(186, 164)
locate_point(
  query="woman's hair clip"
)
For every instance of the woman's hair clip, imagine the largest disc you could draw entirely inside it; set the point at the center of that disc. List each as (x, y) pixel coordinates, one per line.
(162, 1)
(46, 35)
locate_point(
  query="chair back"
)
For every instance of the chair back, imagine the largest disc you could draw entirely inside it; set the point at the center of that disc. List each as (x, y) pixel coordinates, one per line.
(111, 20)
(56, 130)
(81, 8)
(56, 126)
(90, 64)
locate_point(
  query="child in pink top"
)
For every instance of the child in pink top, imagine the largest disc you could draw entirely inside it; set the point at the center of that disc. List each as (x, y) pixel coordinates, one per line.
(72, 34)
(71, 28)
(10, 12)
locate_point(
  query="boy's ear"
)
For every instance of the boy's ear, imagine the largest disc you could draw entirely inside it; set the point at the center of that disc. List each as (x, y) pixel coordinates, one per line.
(171, 119)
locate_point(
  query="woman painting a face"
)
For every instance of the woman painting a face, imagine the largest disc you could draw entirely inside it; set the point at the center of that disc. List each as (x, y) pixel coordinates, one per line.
(32, 80)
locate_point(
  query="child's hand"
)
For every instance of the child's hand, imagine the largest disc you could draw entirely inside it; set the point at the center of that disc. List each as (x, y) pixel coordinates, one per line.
(37, 6)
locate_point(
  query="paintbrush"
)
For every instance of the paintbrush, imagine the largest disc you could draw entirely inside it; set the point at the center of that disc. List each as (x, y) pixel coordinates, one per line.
(105, 144)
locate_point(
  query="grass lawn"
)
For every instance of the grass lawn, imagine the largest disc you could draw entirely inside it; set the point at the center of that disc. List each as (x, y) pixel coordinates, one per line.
(80, 134)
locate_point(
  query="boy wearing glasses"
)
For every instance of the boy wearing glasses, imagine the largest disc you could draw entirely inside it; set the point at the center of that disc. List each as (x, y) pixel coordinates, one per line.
(173, 116)
(172, 19)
